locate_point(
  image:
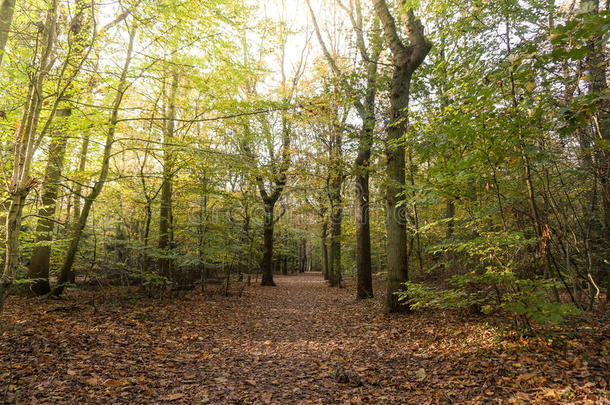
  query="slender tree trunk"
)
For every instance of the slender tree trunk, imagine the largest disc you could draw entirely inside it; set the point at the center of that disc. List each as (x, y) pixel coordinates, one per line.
(449, 214)
(66, 269)
(302, 255)
(366, 110)
(364, 287)
(7, 10)
(165, 213)
(13, 222)
(324, 248)
(335, 276)
(40, 260)
(283, 265)
(336, 209)
(78, 186)
(527, 168)
(266, 264)
(597, 66)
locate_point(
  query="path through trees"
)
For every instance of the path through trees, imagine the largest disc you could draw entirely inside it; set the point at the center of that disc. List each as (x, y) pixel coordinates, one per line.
(298, 343)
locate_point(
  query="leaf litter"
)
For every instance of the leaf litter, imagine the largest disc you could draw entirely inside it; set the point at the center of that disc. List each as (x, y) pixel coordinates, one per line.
(301, 342)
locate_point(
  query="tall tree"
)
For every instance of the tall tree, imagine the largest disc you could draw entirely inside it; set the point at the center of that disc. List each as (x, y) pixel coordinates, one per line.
(406, 58)
(26, 141)
(365, 107)
(79, 38)
(597, 65)
(336, 177)
(79, 226)
(7, 10)
(166, 233)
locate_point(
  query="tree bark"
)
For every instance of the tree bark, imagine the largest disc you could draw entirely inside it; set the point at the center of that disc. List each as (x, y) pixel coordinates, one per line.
(364, 288)
(166, 264)
(40, 260)
(335, 182)
(335, 270)
(324, 248)
(405, 60)
(78, 186)
(7, 10)
(266, 264)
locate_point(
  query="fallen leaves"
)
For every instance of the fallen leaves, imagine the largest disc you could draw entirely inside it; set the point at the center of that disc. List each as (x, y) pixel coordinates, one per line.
(301, 342)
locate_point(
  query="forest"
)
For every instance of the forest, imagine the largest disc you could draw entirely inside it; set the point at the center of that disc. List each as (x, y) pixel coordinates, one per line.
(304, 201)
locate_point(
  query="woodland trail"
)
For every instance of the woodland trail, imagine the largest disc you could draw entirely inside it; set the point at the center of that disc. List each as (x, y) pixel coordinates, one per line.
(300, 342)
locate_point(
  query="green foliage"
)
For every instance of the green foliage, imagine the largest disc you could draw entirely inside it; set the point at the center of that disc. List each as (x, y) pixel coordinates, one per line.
(526, 300)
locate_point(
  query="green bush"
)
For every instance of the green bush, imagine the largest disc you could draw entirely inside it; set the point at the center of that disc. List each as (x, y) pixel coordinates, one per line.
(526, 300)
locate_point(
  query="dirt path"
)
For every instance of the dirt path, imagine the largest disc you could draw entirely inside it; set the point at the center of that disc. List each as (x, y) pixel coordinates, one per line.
(300, 342)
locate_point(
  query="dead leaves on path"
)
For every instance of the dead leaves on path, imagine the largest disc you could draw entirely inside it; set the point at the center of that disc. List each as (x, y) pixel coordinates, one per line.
(301, 342)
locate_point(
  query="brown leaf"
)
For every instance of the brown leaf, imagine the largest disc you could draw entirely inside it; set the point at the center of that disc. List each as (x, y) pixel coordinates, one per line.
(92, 381)
(266, 397)
(525, 377)
(172, 397)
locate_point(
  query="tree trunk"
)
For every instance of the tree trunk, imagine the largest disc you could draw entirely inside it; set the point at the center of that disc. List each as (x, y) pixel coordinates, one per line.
(303, 249)
(364, 288)
(336, 209)
(324, 248)
(405, 60)
(40, 260)
(597, 67)
(66, 268)
(166, 242)
(396, 215)
(449, 215)
(7, 10)
(266, 264)
(13, 221)
(335, 276)
(78, 186)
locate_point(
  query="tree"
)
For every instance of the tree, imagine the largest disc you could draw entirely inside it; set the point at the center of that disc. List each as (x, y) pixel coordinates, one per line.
(597, 66)
(365, 107)
(7, 10)
(29, 135)
(39, 263)
(166, 232)
(79, 226)
(405, 60)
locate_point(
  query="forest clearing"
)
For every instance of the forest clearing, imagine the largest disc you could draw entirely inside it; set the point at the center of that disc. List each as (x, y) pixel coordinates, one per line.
(304, 201)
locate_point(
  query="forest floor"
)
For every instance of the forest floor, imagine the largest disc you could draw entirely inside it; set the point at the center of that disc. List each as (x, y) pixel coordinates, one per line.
(300, 342)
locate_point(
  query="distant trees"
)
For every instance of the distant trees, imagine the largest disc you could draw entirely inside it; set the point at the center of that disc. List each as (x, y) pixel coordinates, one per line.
(364, 104)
